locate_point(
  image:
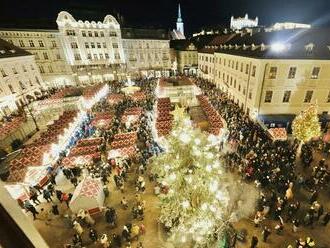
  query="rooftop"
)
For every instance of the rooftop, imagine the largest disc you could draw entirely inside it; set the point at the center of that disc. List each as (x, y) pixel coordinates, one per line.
(8, 50)
(311, 43)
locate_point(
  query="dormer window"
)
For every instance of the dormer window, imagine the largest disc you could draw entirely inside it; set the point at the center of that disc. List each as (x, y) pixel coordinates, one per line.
(309, 48)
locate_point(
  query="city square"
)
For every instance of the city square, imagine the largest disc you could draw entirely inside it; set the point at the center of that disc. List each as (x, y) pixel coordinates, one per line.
(119, 135)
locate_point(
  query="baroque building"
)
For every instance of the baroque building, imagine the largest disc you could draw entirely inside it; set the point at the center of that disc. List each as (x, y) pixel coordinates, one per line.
(88, 52)
(272, 75)
(20, 80)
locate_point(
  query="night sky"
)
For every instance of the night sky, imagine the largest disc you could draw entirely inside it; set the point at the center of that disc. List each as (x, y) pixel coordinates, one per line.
(162, 13)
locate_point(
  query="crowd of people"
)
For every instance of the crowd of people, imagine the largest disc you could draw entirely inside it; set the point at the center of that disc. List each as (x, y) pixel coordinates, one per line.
(272, 166)
(119, 170)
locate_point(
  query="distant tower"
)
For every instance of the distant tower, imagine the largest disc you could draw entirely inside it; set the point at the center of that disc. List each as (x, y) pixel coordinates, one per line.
(179, 22)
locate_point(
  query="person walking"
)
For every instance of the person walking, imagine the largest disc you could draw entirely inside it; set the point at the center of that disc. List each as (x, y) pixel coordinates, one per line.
(104, 241)
(265, 234)
(30, 208)
(254, 242)
(55, 210)
(93, 235)
(47, 195)
(34, 197)
(77, 227)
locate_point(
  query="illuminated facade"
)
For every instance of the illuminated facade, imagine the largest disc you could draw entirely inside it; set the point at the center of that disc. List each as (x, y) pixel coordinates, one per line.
(20, 80)
(243, 22)
(265, 80)
(46, 47)
(87, 52)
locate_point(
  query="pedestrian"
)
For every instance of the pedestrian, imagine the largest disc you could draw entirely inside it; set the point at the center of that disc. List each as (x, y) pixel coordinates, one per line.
(126, 234)
(74, 181)
(65, 198)
(265, 234)
(254, 242)
(77, 241)
(142, 229)
(135, 232)
(55, 209)
(325, 219)
(47, 195)
(93, 234)
(124, 203)
(295, 226)
(104, 241)
(140, 245)
(50, 188)
(59, 195)
(77, 227)
(30, 208)
(88, 219)
(34, 197)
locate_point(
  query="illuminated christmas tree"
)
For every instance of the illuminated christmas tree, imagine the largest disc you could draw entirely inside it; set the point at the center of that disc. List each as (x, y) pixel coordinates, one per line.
(202, 199)
(306, 125)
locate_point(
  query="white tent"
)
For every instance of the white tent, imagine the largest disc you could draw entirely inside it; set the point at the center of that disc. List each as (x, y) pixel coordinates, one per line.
(88, 195)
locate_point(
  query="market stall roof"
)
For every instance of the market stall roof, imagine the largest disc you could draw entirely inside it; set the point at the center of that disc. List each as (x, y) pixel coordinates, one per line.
(88, 195)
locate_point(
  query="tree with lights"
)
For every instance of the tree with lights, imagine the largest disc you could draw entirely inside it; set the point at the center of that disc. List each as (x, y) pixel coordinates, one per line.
(202, 198)
(306, 125)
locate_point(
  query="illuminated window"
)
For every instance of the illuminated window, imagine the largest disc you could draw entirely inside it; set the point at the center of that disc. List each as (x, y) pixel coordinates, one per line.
(77, 56)
(96, 34)
(11, 89)
(104, 45)
(21, 43)
(74, 45)
(90, 34)
(113, 34)
(253, 73)
(41, 68)
(241, 67)
(41, 44)
(115, 45)
(54, 43)
(83, 33)
(50, 69)
(92, 45)
(268, 96)
(247, 69)
(286, 96)
(31, 43)
(45, 55)
(272, 72)
(3, 73)
(86, 45)
(37, 80)
(21, 85)
(71, 33)
(98, 45)
(315, 73)
(308, 96)
(250, 95)
(102, 34)
(89, 56)
(236, 67)
(292, 72)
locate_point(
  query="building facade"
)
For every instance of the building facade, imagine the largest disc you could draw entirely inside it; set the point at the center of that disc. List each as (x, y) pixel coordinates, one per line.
(243, 22)
(88, 52)
(270, 79)
(94, 50)
(147, 52)
(48, 52)
(20, 80)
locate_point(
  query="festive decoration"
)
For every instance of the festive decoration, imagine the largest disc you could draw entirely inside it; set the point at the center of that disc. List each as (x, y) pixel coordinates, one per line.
(306, 125)
(201, 198)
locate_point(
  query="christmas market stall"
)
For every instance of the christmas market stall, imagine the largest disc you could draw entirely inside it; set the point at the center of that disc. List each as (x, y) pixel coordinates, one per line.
(88, 195)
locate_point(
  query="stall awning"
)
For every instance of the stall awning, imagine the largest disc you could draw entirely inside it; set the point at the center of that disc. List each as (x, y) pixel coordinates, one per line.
(277, 120)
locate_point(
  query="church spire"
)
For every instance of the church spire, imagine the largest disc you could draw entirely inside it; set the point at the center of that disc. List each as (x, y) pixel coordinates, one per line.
(179, 22)
(179, 14)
